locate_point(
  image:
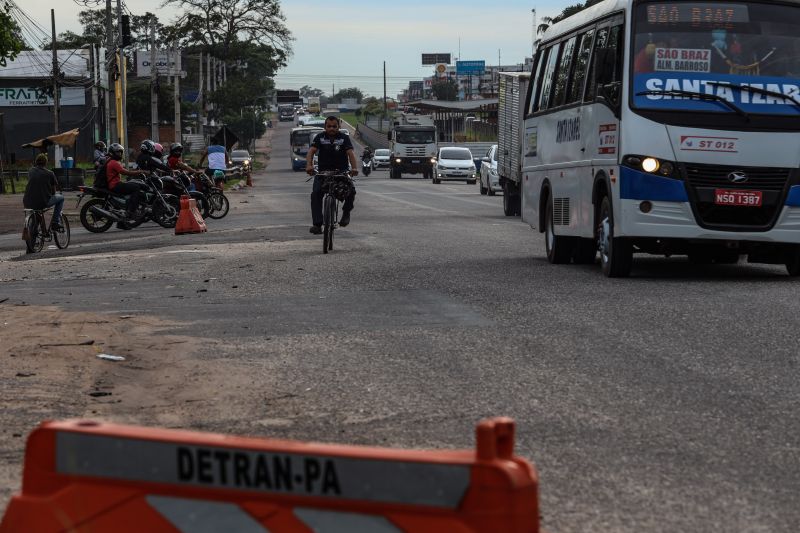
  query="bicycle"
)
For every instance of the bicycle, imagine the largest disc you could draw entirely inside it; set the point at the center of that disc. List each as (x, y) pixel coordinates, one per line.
(37, 231)
(336, 188)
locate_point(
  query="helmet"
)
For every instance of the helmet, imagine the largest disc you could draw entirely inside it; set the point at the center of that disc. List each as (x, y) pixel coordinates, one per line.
(176, 148)
(219, 175)
(148, 147)
(115, 150)
(100, 145)
(159, 148)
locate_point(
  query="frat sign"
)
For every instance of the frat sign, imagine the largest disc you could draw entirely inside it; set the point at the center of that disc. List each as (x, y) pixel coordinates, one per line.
(40, 96)
(761, 94)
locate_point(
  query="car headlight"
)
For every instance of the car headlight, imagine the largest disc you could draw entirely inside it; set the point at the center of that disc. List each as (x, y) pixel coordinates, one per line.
(246, 163)
(397, 160)
(433, 160)
(649, 164)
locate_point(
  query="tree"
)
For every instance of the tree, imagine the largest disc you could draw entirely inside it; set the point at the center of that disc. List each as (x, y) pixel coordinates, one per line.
(567, 12)
(372, 106)
(247, 125)
(305, 90)
(11, 43)
(351, 92)
(445, 90)
(219, 24)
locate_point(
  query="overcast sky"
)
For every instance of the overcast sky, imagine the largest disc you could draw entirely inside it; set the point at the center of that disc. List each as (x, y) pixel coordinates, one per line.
(344, 43)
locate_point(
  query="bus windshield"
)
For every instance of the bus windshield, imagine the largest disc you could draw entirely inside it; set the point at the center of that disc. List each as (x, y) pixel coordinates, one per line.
(717, 57)
(301, 140)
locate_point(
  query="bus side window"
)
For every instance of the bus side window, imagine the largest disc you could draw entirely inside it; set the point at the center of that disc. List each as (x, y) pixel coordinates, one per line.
(599, 43)
(547, 78)
(581, 66)
(564, 69)
(536, 82)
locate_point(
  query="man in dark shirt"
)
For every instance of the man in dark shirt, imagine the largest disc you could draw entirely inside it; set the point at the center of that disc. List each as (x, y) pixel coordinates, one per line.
(40, 193)
(334, 152)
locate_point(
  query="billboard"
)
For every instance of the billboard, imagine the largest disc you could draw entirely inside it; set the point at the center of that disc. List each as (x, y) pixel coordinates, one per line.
(415, 89)
(288, 97)
(168, 63)
(432, 59)
(470, 67)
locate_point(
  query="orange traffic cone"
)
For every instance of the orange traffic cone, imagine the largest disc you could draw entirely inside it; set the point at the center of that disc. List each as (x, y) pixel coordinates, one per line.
(189, 219)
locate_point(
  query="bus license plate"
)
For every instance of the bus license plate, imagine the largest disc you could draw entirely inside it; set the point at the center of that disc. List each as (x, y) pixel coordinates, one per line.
(742, 198)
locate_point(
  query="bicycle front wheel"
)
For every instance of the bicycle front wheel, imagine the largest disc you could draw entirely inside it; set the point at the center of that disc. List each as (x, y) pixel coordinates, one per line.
(62, 236)
(328, 220)
(218, 205)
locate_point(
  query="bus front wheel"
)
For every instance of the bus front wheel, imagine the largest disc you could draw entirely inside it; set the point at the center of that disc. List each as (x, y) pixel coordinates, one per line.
(616, 253)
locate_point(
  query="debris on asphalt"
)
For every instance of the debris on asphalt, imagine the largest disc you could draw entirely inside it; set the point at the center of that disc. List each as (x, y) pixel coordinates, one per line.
(109, 357)
(25, 374)
(98, 394)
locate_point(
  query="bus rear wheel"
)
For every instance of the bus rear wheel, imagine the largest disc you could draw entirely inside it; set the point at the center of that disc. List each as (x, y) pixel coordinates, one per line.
(616, 253)
(793, 262)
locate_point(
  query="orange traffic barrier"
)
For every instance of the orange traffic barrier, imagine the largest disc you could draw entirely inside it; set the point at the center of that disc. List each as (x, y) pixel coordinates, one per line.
(84, 476)
(189, 219)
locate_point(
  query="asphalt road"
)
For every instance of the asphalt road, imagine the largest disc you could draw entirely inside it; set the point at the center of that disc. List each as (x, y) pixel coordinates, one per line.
(664, 402)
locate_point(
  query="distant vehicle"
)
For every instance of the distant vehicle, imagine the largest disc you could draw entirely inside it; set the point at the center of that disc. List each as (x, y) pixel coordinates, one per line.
(380, 159)
(241, 157)
(313, 105)
(300, 141)
(413, 148)
(316, 121)
(345, 131)
(285, 112)
(454, 163)
(489, 180)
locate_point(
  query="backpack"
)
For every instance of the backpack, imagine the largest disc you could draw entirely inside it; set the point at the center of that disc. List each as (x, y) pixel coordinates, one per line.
(100, 178)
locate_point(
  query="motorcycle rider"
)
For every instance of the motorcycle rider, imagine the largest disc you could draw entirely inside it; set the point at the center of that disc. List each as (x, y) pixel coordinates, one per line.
(149, 158)
(175, 162)
(99, 154)
(335, 150)
(114, 173)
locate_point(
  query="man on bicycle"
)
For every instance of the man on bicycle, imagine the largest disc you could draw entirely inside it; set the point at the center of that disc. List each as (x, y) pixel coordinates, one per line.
(40, 193)
(335, 152)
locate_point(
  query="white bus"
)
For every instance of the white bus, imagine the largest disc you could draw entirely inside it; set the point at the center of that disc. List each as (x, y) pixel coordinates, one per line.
(667, 127)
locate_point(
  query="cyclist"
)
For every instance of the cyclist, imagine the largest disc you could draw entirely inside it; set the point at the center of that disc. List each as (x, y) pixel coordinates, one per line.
(114, 173)
(217, 157)
(40, 193)
(335, 152)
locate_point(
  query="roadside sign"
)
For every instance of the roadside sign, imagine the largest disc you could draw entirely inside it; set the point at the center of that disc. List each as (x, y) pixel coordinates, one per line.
(432, 59)
(470, 67)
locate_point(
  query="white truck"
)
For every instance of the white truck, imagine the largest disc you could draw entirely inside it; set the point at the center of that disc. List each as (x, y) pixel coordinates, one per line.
(513, 90)
(413, 149)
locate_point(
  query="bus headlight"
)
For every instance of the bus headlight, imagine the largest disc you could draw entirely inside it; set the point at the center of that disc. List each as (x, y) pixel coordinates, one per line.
(651, 165)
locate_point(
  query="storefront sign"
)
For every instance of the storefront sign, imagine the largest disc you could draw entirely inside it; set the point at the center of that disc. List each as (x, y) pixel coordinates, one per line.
(39, 96)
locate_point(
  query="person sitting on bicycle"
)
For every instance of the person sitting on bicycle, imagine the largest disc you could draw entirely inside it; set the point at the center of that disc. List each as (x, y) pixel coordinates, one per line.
(40, 193)
(114, 173)
(335, 151)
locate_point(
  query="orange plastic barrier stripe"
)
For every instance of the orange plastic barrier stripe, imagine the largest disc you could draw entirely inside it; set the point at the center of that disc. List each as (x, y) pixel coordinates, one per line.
(83, 476)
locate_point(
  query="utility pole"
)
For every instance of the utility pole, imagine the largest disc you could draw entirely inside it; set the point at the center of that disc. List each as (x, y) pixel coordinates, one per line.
(123, 73)
(177, 96)
(153, 85)
(109, 71)
(385, 109)
(200, 97)
(56, 96)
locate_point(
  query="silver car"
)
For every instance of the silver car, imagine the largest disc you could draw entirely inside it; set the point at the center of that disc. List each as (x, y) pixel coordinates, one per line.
(489, 180)
(241, 158)
(380, 159)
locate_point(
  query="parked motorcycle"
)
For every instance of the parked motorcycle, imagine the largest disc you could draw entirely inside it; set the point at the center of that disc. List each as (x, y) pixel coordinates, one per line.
(104, 207)
(179, 184)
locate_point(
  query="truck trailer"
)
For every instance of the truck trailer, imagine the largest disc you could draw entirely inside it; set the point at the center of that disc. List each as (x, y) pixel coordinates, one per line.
(513, 90)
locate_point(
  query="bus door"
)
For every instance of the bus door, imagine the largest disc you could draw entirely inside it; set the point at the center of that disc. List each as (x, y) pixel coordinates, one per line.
(601, 110)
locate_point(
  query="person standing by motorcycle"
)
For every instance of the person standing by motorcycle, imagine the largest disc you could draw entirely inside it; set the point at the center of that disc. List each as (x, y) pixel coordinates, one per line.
(335, 151)
(114, 173)
(217, 158)
(99, 154)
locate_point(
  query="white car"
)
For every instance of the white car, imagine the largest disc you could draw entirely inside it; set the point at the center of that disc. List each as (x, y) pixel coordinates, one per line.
(454, 163)
(380, 159)
(489, 180)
